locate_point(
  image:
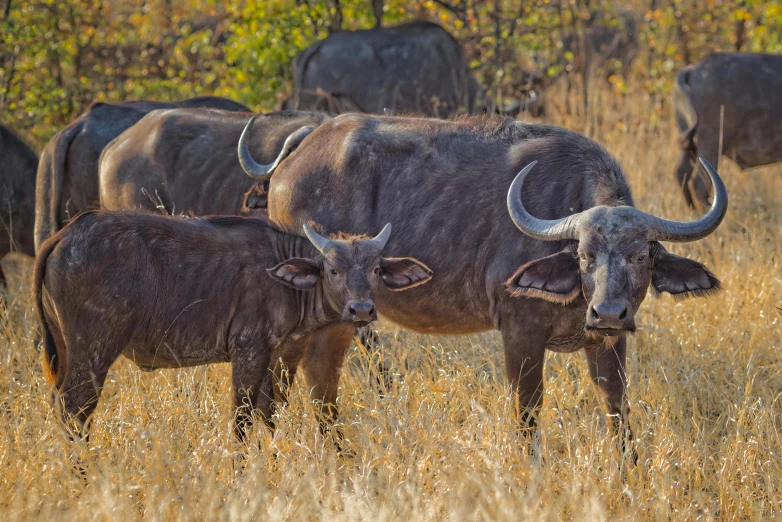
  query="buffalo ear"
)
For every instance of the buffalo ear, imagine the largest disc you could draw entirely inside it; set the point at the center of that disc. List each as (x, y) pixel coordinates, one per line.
(555, 278)
(401, 273)
(681, 277)
(297, 272)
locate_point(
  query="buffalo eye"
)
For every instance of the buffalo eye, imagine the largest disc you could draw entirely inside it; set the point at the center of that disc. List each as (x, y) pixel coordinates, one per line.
(333, 271)
(376, 270)
(641, 258)
(588, 258)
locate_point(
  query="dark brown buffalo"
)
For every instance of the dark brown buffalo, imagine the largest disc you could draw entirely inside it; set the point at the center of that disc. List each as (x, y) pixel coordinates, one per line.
(184, 160)
(444, 185)
(737, 95)
(17, 194)
(171, 292)
(415, 67)
(333, 103)
(67, 180)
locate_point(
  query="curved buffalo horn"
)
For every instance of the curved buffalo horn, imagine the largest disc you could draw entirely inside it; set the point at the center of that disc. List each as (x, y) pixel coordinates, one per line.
(321, 243)
(261, 172)
(543, 229)
(380, 240)
(677, 231)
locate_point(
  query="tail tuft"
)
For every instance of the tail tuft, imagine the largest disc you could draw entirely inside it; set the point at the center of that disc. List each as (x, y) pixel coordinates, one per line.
(51, 362)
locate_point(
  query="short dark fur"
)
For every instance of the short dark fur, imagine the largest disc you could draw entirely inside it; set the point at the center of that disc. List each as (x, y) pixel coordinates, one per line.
(173, 292)
(185, 160)
(444, 186)
(67, 179)
(749, 88)
(17, 194)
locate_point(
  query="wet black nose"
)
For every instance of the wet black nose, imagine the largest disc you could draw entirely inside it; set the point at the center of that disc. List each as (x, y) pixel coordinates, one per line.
(608, 314)
(361, 310)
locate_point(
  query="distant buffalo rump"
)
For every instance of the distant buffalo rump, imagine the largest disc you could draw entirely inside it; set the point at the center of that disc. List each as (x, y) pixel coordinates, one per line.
(17, 194)
(738, 95)
(416, 67)
(184, 160)
(67, 179)
(567, 270)
(172, 292)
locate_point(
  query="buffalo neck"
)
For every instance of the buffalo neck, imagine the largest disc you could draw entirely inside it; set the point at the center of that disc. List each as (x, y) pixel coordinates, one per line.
(313, 307)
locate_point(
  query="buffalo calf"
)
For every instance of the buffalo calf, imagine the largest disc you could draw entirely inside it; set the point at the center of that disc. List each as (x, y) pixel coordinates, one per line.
(170, 292)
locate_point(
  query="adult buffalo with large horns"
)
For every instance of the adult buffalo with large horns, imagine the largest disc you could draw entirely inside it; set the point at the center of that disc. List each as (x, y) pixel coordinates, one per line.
(572, 279)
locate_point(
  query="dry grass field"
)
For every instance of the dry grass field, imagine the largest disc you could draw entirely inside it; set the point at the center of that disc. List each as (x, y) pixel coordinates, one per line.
(705, 385)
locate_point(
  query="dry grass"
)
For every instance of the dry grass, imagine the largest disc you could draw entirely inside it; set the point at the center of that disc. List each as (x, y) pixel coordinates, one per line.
(704, 379)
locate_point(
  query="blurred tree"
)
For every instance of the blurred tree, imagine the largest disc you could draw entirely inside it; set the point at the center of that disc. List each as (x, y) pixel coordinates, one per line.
(57, 57)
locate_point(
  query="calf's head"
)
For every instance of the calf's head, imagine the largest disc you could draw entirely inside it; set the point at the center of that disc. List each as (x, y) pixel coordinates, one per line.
(614, 258)
(349, 271)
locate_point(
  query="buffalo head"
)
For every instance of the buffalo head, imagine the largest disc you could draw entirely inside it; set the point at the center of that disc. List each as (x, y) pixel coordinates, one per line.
(614, 258)
(349, 272)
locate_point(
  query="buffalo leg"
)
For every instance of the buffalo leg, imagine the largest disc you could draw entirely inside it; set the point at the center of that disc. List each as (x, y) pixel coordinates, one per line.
(607, 368)
(249, 370)
(524, 360)
(683, 173)
(284, 367)
(78, 393)
(322, 366)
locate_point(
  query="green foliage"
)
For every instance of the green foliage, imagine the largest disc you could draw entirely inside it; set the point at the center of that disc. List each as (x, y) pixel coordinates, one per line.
(678, 32)
(58, 56)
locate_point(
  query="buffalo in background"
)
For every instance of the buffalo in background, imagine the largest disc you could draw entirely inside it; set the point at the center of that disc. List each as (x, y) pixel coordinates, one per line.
(416, 67)
(737, 96)
(184, 160)
(67, 179)
(17, 194)
(17, 210)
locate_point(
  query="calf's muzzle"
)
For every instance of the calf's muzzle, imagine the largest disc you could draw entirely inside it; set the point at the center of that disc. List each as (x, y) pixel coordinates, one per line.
(360, 311)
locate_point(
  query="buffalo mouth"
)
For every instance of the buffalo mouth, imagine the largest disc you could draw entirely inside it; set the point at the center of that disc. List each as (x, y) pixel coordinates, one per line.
(358, 324)
(608, 332)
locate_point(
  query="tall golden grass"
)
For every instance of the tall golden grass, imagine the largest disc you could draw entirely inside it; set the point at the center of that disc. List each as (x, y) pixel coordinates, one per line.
(705, 379)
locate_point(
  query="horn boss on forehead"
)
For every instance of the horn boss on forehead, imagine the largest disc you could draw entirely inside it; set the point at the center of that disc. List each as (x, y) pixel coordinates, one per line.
(659, 229)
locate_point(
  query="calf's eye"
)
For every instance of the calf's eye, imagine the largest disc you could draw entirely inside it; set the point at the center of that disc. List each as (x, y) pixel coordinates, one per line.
(333, 271)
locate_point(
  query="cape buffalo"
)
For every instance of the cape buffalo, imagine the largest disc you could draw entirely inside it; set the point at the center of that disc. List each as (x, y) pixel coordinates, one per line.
(67, 180)
(169, 292)
(414, 67)
(745, 92)
(184, 160)
(444, 184)
(17, 194)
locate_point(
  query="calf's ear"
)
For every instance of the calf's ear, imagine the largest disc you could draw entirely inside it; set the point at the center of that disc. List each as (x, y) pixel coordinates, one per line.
(401, 273)
(297, 272)
(679, 276)
(555, 278)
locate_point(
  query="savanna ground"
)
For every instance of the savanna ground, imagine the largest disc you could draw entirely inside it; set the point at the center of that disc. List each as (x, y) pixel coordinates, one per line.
(704, 375)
